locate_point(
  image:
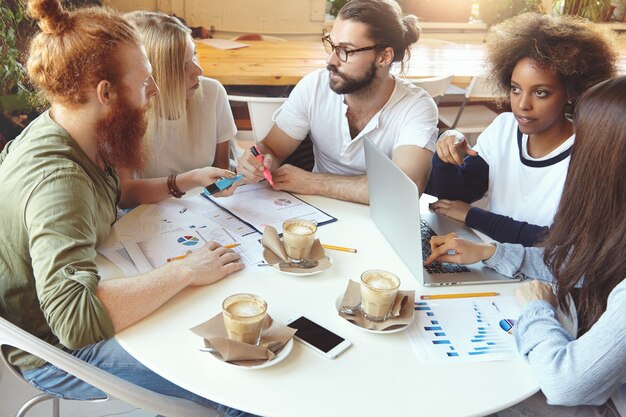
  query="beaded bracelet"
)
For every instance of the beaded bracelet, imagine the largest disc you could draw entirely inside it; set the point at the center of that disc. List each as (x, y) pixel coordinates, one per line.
(172, 188)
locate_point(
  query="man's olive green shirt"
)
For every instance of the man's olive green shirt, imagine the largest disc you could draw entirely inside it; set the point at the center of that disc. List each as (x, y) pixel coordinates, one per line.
(56, 207)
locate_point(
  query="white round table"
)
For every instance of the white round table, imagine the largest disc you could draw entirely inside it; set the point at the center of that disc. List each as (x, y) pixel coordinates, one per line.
(380, 375)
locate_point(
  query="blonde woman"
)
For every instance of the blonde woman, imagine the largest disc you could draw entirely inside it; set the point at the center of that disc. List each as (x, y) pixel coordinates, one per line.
(190, 123)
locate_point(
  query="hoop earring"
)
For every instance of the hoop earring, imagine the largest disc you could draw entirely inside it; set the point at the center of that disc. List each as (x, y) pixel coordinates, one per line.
(569, 110)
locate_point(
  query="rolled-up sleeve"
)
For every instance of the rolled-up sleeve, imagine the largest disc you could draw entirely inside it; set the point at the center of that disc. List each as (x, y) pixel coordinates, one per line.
(63, 220)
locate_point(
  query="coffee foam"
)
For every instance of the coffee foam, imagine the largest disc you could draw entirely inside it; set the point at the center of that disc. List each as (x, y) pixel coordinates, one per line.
(380, 281)
(245, 308)
(301, 228)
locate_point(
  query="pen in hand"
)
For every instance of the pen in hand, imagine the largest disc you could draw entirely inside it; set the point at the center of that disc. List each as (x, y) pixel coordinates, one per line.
(266, 172)
(177, 258)
(183, 256)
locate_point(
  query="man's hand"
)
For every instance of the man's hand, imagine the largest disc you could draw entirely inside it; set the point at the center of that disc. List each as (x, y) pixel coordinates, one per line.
(451, 248)
(452, 208)
(290, 178)
(251, 168)
(535, 290)
(452, 147)
(211, 263)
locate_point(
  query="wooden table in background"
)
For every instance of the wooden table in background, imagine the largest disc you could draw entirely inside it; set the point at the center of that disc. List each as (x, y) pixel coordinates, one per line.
(285, 63)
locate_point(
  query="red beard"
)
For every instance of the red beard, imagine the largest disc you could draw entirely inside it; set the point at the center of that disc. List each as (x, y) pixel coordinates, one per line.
(119, 135)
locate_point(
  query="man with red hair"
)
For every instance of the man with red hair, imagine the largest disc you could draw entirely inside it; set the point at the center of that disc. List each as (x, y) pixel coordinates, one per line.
(60, 191)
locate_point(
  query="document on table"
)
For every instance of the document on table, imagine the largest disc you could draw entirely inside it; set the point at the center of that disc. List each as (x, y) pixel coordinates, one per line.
(259, 205)
(154, 251)
(465, 329)
(163, 217)
(150, 236)
(216, 214)
(120, 257)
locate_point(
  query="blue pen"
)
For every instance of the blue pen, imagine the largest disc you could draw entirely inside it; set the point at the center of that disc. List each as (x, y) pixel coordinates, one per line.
(222, 184)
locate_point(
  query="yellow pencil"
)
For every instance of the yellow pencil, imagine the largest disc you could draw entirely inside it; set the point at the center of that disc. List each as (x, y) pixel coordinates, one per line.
(232, 245)
(341, 248)
(464, 295)
(176, 258)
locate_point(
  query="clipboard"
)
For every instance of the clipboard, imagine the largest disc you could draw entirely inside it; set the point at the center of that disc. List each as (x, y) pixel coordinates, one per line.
(258, 205)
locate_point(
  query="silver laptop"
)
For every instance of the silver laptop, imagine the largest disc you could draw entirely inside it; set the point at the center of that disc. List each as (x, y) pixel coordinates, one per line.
(394, 206)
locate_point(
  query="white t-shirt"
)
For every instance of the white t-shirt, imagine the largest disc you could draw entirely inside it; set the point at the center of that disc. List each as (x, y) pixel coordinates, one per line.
(170, 153)
(408, 118)
(524, 188)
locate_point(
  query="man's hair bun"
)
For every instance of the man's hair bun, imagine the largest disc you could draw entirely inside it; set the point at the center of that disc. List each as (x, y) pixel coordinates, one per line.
(51, 16)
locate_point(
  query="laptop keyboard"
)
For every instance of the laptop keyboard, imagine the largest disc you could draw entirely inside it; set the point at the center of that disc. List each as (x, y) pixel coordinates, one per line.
(437, 267)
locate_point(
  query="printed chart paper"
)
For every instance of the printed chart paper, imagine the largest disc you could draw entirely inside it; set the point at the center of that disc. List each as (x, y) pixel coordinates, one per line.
(217, 215)
(465, 329)
(151, 252)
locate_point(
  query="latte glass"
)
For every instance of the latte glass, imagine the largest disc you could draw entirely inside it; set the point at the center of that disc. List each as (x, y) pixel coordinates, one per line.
(298, 238)
(378, 293)
(244, 315)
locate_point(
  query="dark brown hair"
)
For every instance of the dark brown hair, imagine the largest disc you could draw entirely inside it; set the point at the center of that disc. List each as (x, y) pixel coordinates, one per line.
(578, 51)
(587, 243)
(75, 49)
(386, 25)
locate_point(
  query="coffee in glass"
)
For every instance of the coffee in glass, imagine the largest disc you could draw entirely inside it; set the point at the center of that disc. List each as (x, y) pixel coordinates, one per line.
(244, 315)
(298, 237)
(378, 293)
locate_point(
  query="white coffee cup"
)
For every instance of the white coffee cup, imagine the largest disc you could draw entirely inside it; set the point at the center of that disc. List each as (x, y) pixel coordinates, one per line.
(244, 315)
(378, 293)
(298, 237)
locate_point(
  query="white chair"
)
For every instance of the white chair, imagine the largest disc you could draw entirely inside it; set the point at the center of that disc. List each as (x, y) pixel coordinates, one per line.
(471, 119)
(11, 335)
(261, 110)
(435, 86)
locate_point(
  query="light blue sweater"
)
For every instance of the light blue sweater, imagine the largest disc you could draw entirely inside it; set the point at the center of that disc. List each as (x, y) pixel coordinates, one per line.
(588, 370)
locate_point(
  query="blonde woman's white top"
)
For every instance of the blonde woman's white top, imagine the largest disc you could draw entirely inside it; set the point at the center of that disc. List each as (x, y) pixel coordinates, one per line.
(169, 151)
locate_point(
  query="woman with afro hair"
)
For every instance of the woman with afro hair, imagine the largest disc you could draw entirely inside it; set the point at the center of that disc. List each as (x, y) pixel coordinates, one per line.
(520, 161)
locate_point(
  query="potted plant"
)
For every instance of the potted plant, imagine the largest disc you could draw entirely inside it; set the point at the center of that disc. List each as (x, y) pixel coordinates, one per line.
(594, 10)
(14, 94)
(334, 6)
(496, 11)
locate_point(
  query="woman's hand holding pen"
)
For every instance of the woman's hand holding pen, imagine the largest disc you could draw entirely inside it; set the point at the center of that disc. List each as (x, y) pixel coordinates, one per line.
(451, 248)
(452, 147)
(208, 175)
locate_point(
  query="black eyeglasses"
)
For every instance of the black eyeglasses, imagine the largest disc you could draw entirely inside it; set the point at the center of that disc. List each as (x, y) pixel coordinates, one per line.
(341, 52)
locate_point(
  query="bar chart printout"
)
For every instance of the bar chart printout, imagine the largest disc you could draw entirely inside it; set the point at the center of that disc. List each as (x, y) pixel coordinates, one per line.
(465, 329)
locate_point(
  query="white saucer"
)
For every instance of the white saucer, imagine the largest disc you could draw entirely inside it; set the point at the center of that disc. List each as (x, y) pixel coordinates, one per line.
(395, 329)
(280, 356)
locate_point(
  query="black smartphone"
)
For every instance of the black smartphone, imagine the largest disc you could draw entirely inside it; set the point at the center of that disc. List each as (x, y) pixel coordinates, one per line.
(319, 338)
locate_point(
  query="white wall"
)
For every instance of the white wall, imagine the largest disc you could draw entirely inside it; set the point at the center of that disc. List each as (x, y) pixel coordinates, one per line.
(247, 16)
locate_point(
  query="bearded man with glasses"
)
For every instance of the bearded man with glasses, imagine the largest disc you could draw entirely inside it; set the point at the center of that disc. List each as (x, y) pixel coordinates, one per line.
(356, 95)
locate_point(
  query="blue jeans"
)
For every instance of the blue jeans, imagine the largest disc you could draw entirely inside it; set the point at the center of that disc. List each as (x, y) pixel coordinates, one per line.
(109, 356)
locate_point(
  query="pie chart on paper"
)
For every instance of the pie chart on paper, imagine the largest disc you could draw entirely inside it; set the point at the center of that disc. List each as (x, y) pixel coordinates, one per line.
(188, 240)
(282, 202)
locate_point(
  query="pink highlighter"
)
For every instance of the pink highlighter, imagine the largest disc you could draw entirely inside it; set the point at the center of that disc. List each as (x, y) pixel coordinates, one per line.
(266, 172)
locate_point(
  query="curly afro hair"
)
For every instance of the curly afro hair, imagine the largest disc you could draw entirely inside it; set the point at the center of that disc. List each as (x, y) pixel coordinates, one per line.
(580, 52)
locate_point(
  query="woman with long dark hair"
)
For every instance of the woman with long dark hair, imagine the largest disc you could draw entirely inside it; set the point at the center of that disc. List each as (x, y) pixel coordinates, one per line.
(584, 256)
